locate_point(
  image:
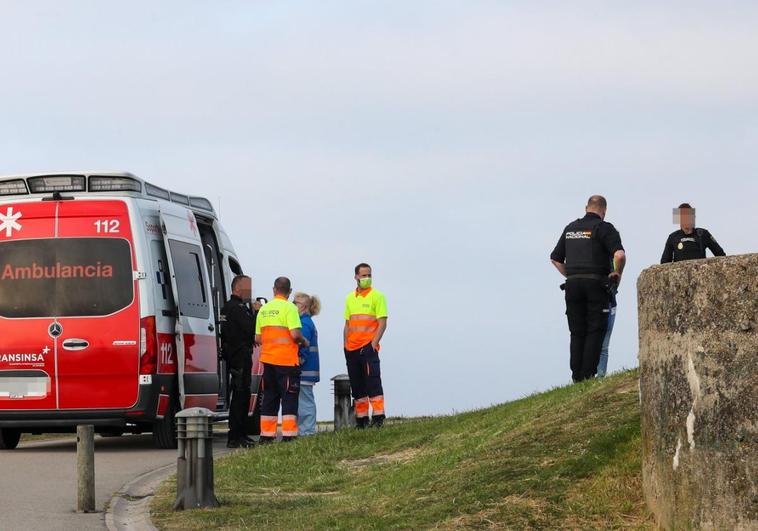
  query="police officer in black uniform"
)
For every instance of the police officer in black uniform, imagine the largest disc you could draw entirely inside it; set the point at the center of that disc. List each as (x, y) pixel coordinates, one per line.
(688, 243)
(237, 335)
(590, 255)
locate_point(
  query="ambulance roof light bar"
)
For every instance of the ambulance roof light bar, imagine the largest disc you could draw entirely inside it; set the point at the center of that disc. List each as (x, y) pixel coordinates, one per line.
(14, 187)
(201, 203)
(56, 183)
(157, 191)
(98, 183)
(179, 198)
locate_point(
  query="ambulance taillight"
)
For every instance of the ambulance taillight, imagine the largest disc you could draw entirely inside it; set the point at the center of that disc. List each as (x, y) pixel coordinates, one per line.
(148, 343)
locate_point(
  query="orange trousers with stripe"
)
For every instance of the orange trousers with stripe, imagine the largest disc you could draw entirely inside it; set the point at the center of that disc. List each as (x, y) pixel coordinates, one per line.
(365, 374)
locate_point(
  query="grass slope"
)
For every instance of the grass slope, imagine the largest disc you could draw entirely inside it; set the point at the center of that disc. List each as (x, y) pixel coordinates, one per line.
(567, 458)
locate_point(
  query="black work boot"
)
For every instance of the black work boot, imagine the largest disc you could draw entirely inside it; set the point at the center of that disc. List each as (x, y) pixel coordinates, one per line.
(361, 423)
(377, 421)
(266, 440)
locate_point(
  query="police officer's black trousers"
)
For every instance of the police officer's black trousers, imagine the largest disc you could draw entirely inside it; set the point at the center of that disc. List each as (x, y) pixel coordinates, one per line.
(240, 403)
(587, 302)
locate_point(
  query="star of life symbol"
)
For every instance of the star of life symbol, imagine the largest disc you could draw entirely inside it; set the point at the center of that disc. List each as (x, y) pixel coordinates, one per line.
(8, 222)
(46, 349)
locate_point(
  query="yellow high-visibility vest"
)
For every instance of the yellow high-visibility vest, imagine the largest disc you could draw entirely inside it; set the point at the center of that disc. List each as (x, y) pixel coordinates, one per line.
(275, 320)
(363, 309)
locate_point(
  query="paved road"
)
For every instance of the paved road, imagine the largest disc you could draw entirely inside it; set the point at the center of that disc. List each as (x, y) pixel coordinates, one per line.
(38, 480)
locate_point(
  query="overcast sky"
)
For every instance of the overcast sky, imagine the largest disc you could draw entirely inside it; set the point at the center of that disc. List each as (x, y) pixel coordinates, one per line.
(447, 143)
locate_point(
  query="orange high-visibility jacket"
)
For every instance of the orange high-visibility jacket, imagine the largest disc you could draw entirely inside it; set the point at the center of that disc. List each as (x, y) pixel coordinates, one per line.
(363, 309)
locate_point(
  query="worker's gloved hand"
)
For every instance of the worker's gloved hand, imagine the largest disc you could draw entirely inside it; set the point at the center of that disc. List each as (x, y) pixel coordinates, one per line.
(614, 278)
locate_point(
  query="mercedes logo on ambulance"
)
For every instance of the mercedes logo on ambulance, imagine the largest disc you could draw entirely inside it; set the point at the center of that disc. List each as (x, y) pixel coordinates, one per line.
(55, 329)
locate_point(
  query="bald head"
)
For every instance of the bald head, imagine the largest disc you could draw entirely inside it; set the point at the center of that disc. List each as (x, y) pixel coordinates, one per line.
(597, 201)
(597, 205)
(282, 286)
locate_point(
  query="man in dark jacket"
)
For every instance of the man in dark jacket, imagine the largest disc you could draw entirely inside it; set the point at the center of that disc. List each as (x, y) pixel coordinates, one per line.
(237, 334)
(688, 243)
(590, 255)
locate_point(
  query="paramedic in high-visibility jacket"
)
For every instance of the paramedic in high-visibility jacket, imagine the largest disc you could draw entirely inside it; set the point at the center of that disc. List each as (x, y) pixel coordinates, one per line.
(365, 323)
(278, 331)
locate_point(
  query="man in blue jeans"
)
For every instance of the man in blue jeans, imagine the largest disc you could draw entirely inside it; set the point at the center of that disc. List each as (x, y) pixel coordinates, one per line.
(602, 366)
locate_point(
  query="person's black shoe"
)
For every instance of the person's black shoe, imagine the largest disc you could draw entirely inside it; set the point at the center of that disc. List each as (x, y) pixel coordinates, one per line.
(233, 444)
(288, 439)
(248, 440)
(377, 421)
(361, 423)
(265, 440)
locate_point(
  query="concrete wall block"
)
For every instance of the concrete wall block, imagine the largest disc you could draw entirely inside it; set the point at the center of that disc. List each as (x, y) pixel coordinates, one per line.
(698, 326)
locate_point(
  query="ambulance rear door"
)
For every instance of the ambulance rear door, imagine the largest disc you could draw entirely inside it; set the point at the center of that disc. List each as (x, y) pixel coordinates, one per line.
(98, 307)
(69, 313)
(231, 268)
(28, 377)
(195, 328)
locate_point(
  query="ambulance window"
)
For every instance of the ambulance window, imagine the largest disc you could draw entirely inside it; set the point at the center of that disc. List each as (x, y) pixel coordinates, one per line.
(64, 277)
(190, 279)
(235, 266)
(163, 293)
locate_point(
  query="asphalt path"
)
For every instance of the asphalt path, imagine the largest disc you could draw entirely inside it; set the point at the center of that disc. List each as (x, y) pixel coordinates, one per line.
(38, 480)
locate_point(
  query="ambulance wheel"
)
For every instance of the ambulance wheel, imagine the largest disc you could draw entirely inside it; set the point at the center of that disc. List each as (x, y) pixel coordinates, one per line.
(164, 430)
(9, 438)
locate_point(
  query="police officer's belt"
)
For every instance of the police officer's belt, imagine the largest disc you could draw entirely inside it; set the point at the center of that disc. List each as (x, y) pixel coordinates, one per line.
(593, 276)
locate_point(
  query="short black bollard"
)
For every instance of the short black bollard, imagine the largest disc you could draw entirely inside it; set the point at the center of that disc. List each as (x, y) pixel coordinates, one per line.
(344, 412)
(194, 466)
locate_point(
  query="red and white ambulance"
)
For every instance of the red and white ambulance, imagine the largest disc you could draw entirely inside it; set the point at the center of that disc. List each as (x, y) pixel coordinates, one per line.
(110, 292)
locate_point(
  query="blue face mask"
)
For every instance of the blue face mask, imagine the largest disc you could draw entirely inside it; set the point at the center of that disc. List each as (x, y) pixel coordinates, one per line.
(365, 283)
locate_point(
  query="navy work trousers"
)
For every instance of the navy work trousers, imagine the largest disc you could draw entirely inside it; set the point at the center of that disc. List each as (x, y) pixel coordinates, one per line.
(365, 374)
(281, 386)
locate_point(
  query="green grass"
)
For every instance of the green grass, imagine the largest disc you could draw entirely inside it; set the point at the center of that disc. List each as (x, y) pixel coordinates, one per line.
(567, 458)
